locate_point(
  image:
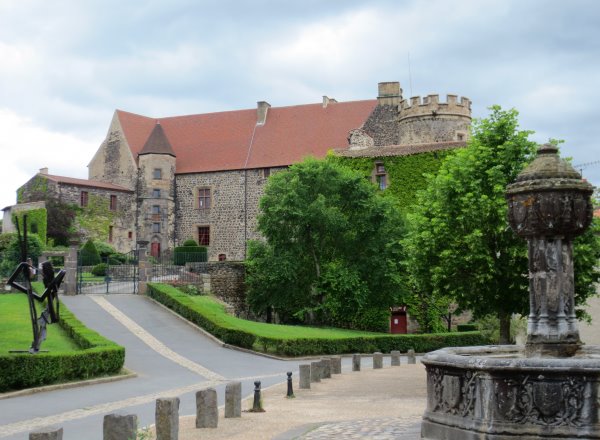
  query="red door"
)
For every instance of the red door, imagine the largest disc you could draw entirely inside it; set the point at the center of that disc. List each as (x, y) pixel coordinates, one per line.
(155, 250)
(398, 322)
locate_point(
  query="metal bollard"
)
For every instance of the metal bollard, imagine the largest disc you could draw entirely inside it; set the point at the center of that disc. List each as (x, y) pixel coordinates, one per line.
(257, 404)
(290, 387)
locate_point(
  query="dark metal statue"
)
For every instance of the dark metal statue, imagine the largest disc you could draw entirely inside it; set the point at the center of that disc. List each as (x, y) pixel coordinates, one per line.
(23, 272)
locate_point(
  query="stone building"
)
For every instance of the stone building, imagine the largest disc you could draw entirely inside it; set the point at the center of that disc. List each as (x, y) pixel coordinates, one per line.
(201, 176)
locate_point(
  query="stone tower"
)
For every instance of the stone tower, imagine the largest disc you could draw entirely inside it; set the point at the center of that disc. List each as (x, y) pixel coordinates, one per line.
(156, 192)
(427, 120)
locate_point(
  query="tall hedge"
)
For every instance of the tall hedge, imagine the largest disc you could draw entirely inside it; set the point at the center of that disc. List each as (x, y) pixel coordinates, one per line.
(189, 254)
(89, 255)
(37, 222)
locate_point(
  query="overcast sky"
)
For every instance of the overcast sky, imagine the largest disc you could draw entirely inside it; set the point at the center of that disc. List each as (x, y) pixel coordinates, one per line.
(66, 65)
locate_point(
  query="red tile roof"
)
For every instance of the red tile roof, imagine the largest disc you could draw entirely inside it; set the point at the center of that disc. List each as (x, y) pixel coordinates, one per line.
(85, 182)
(221, 141)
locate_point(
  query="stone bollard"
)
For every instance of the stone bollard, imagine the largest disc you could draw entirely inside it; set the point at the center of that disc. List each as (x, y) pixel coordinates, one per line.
(305, 377)
(119, 427)
(207, 410)
(290, 386)
(395, 358)
(47, 434)
(411, 356)
(315, 371)
(377, 360)
(326, 363)
(233, 400)
(336, 365)
(356, 362)
(167, 418)
(257, 403)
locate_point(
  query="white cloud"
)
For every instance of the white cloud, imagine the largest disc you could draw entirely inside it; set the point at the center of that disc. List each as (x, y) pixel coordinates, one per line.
(25, 148)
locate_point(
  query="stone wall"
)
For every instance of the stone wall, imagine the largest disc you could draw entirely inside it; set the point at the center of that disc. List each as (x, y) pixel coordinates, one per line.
(122, 220)
(226, 282)
(232, 214)
(113, 162)
(382, 125)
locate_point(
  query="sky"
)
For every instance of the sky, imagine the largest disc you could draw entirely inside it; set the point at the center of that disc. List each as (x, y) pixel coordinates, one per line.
(67, 65)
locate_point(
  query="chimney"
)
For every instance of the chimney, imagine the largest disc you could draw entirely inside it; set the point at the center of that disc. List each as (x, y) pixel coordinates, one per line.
(261, 112)
(327, 100)
(390, 93)
(44, 170)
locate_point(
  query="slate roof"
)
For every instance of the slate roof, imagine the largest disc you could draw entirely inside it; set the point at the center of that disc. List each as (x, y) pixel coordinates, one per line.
(157, 142)
(399, 150)
(84, 182)
(232, 140)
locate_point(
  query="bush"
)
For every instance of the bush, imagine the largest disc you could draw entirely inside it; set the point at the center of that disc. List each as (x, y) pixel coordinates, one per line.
(11, 256)
(89, 255)
(98, 357)
(189, 254)
(466, 327)
(189, 243)
(100, 270)
(104, 249)
(228, 333)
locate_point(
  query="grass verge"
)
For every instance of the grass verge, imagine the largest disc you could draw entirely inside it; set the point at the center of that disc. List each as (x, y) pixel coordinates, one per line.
(75, 352)
(296, 340)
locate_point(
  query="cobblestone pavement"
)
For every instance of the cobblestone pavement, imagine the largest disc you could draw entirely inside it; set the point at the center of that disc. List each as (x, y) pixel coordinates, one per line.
(376, 429)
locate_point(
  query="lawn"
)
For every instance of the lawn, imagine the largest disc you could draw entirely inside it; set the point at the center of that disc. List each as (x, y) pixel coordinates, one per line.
(15, 327)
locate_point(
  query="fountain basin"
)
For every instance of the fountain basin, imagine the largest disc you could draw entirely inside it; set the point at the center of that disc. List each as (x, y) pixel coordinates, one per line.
(497, 393)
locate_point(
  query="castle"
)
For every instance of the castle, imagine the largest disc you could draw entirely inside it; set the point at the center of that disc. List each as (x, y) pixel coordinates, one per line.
(201, 176)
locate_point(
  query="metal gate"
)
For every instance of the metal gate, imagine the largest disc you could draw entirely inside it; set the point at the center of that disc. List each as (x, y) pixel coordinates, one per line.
(113, 275)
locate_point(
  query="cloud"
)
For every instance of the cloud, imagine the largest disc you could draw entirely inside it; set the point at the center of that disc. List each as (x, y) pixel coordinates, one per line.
(25, 148)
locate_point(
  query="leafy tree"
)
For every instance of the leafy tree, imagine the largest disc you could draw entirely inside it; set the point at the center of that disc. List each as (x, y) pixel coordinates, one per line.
(11, 252)
(460, 247)
(330, 255)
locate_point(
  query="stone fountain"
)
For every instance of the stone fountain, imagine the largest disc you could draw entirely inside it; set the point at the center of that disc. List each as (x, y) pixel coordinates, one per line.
(550, 388)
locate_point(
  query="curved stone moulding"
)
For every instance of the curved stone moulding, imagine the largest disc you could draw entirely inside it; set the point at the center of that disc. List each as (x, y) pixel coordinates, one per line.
(497, 393)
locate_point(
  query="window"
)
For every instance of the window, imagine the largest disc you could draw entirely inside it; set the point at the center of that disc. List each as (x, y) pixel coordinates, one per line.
(130, 235)
(84, 198)
(204, 235)
(222, 257)
(156, 193)
(113, 203)
(155, 212)
(110, 234)
(203, 198)
(380, 176)
(156, 227)
(157, 174)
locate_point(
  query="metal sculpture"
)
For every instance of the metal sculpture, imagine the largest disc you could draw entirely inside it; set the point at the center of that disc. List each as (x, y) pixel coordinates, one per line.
(21, 281)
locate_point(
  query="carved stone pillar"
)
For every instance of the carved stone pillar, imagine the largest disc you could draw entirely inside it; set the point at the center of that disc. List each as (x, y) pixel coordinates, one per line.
(549, 205)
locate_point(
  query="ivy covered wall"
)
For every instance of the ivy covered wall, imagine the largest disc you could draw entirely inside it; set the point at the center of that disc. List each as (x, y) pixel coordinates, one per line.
(405, 174)
(37, 222)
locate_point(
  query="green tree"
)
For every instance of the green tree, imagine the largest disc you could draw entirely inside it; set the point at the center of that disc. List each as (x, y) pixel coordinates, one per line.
(11, 252)
(330, 255)
(460, 247)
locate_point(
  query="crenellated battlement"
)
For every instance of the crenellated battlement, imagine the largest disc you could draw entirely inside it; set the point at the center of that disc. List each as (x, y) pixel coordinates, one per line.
(430, 105)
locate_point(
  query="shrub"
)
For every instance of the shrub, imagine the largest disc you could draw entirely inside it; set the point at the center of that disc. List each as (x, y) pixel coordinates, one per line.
(100, 270)
(89, 255)
(104, 249)
(190, 242)
(189, 254)
(466, 327)
(98, 356)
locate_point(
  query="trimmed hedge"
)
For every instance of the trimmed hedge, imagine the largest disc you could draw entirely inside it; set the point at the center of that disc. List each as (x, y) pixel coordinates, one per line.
(228, 333)
(189, 254)
(98, 357)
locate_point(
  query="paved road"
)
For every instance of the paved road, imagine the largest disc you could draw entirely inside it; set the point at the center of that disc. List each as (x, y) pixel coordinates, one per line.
(170, 357)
